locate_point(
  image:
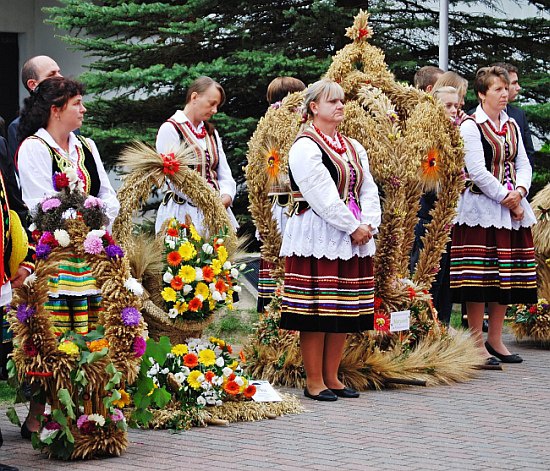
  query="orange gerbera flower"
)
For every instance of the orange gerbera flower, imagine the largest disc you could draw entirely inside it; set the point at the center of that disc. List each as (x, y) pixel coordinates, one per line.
(430, 167)
(231, 387)
(273, 163)
(177, 283)
(249, 391)
(229, 349)
(190, 360)
(97, 345)
(172, 232)
(209, 376)
(173, 258)
(221, 286)
(242, 357)
(207, 273)
(195, 304)
(231, 377)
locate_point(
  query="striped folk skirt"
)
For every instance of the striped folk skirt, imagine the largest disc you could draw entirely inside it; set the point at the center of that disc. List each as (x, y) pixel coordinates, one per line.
(322, 295)
(493, 265)
(78, 314)
(266, 285)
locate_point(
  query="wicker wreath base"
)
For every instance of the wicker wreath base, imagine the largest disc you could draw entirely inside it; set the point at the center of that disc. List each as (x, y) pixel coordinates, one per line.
(176, 330)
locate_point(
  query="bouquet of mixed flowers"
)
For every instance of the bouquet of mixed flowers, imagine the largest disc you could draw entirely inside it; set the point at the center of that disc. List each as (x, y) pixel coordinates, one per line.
(196, 374)
(531, 320)
(198, 277)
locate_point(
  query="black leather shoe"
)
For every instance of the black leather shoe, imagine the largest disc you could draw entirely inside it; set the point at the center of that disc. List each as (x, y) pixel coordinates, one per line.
(513, 358)
(324, 395)
(492, 361)
(346, 392)
(25, 432)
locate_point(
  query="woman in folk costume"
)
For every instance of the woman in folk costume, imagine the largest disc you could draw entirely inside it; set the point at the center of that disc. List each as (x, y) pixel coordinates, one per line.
(492, 254)
(49, 115)
(279, 194)
(329, 282)
(191, 127)
(13, 246)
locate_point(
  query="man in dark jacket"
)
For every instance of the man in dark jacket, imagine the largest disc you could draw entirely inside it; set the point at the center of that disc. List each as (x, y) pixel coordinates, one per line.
(517, 113)
(34, 71)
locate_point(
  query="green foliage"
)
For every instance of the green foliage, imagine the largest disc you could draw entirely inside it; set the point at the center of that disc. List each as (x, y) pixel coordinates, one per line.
(147, 52)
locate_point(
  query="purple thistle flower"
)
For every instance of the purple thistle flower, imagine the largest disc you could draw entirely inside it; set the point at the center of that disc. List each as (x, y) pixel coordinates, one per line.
(114, 251)
(24, 313)
(130, 316)
(93, 245)
(42, 251)
(139, 346)
(81, 420)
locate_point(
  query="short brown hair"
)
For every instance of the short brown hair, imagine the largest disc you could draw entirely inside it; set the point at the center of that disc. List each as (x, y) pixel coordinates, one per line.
(280, 87)
(506, 66)
(486, 76)
(452, 79)
(201, 84)
(426, 75)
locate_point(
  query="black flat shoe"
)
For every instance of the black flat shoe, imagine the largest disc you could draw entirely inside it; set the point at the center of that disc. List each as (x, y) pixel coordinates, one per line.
(346, 392)
(492, 361)
(25, 432)
(324, 395)
(513, 358)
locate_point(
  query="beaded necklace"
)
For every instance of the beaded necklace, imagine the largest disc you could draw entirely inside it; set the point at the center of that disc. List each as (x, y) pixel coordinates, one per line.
(198, 135)
(339, 150)
(500, 133)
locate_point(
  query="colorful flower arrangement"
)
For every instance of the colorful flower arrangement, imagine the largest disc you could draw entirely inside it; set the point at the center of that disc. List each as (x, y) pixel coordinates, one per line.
(196, 374)
(198, 276)
(531, 320)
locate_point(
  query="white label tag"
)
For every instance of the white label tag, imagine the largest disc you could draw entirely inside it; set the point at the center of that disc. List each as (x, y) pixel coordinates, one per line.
(400, 320)
(265, 392)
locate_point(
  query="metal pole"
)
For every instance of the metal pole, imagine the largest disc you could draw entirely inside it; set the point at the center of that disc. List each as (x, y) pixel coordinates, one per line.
(444, 34)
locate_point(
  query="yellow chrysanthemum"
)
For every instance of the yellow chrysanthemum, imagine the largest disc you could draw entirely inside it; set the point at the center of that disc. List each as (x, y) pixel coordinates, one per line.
(211, 304)
(194, 234)
(124, 400)
(192, 379)
(217, 341)
(207, 357)
(203, 290)
(187, 251)
(187, 274)
(168, 294)
(68, 347)
(181, 306)
(234, 364)
(179, 350)
(216, 266)
(222, 254)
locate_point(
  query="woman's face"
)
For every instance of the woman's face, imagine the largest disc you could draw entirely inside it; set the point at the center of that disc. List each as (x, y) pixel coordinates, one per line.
(451, 103)
(496, 97)
(72, 114)
(330, 111)
(205, 104)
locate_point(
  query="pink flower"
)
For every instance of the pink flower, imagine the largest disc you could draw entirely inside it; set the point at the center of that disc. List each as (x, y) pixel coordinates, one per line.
(81, 420)
(51, 203)
(139, 346)
(93, 202)
(117, 415)
(93, 245)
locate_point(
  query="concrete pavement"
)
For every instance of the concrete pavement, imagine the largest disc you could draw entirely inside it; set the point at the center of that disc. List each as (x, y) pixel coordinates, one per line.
(499, 421)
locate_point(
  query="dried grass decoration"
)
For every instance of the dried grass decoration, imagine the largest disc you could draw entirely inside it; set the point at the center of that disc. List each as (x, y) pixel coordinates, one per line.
(412, 147)
(147, 170)
(78, 373)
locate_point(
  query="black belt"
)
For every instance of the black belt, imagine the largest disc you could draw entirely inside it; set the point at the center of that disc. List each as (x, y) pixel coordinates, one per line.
(176, 198)
(280, 199)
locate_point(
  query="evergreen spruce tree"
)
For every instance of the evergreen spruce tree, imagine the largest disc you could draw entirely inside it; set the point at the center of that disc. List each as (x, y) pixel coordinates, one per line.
(145, 53)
